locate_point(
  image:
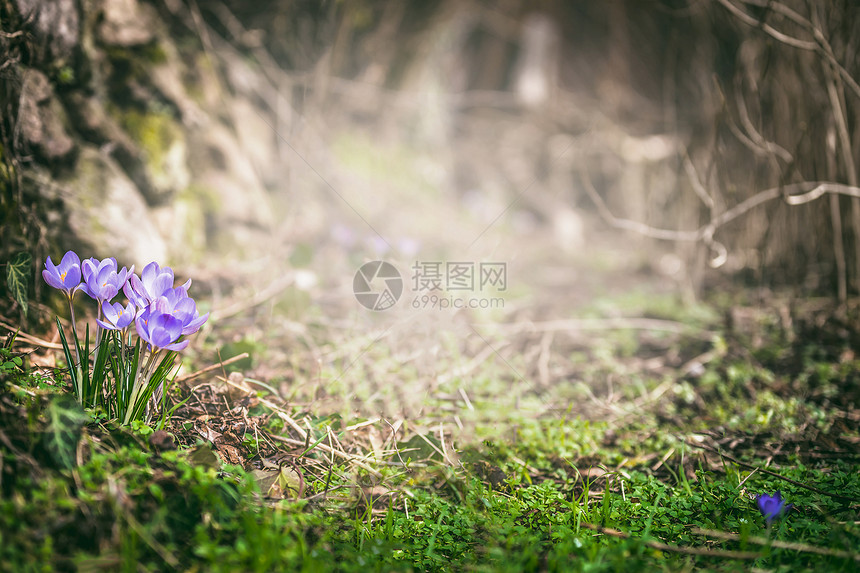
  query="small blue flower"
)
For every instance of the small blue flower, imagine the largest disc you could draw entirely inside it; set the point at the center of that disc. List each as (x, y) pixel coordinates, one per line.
(66, 276)
(772, 506)
(153, 281)
(115, 316)
(102, 280)
(160, 329)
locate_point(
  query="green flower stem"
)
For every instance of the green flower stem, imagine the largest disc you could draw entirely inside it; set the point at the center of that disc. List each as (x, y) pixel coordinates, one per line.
(74, 329)
(141, 381)
(99, 329)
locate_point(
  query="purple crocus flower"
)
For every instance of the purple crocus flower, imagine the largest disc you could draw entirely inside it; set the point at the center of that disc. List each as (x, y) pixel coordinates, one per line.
(115, 316)
(379, 245)
(343, 235)
(152, 283)
(177, 303)
(66, 276)
(160, 329)
(102, 281)
(772, 506)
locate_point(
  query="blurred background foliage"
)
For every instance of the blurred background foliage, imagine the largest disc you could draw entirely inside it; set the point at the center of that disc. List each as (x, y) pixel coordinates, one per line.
(196, 132)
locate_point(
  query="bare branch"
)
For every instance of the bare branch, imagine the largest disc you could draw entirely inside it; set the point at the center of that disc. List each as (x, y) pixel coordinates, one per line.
(697, 183)
(769, 147)
(821, 44)
(635, 226)
(706, 232)
(768, 29)
(820, 190)
(781, 9)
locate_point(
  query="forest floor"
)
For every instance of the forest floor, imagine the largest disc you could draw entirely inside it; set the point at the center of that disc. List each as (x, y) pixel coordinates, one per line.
(606, 426)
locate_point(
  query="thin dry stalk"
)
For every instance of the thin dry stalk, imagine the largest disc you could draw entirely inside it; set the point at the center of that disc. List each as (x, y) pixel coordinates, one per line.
(344, 455)
(220, 365)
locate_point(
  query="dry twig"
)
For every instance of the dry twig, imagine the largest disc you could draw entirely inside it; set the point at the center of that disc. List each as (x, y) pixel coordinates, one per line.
(31, 339)
(221, 364)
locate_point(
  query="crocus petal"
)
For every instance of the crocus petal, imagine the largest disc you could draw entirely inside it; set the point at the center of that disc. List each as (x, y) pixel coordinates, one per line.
(161, 337)
(104, 273)
(133, 290)
(195, 324)
(160, 284)
(156, 280)
(185, 310)
(115, 316)
(140, 325)
(176, 347)
(123, 275)
(772, 506)
(160, 305)
(102, 280)
(50, 266)
(161, 330)
(109, 312)
(149, 272)
(51, 276)
(66, 276)
(126, 315)
(72, 277)
(88, 267)
(69, 259)
(168, 323)
(69, 270)
(164, 329)
(108, 263)
(107, 291)
(89, 271)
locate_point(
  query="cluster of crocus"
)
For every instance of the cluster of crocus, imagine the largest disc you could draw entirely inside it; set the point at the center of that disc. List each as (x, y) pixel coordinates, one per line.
(772, 506)
(161, 314)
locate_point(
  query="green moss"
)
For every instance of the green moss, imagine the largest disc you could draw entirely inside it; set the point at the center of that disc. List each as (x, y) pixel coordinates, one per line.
(65, 75)
(152, 126)
(154, 131)
(153, 53)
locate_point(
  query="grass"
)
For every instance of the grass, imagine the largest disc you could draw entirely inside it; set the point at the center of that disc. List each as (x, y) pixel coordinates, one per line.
(662, 475)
